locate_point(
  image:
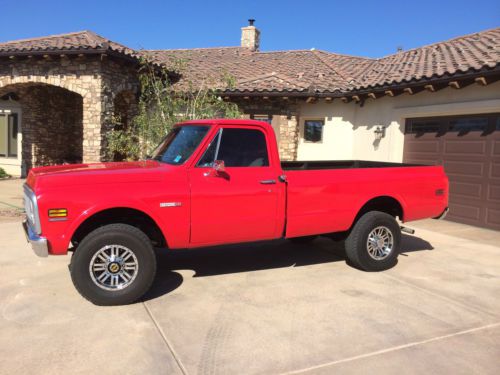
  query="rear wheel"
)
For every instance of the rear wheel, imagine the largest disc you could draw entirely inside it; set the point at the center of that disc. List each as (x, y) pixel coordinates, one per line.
(113, 265)
(373, 243)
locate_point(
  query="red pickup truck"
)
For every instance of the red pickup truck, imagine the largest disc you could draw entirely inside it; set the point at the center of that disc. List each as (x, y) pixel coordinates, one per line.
(213, 182)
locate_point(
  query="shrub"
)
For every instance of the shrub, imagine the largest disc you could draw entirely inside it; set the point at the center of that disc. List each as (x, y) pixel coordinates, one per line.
(3, 174)
(161, 105)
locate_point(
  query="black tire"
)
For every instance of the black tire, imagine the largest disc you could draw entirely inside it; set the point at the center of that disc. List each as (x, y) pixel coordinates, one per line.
(356, 244)
(125, 236)
(303, 240)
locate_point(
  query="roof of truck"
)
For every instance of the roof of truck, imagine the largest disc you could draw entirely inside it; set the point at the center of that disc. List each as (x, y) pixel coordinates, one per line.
(226, 121)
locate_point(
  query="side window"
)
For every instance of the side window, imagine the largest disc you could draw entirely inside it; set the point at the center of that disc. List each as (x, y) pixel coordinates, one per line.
(237, 148)
(313, 130)
(209, 156)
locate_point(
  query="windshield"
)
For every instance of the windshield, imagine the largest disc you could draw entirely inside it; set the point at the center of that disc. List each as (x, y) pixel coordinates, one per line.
(179, 144)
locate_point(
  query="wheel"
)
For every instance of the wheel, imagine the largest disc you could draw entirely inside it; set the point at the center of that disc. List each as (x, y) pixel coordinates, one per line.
(373, 243)
(303, 240)
(113, 265)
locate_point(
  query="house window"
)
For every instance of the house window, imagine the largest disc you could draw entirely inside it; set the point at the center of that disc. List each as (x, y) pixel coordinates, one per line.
(313, 130)
(265, 118)
(8, 135)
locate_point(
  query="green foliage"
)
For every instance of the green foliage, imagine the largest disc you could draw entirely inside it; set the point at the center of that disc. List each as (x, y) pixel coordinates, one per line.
(3, 174)
(161, 105)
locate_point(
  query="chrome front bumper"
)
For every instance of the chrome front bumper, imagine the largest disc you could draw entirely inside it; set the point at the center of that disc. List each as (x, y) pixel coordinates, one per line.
(39, 244)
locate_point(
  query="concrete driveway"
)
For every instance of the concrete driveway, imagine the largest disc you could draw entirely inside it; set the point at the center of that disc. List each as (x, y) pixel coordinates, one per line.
(265, 308)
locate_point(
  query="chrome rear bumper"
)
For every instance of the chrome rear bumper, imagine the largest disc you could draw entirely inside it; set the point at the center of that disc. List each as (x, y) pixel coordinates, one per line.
(443, 214)
(39, 244)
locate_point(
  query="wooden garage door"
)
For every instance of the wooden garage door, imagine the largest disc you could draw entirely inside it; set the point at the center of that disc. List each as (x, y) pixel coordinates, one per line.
(469, 149)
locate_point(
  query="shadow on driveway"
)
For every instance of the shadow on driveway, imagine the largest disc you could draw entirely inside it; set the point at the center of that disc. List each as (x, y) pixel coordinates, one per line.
(228, 259)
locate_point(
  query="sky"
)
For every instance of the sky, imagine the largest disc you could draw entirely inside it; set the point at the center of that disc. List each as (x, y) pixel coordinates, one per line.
(361, 28)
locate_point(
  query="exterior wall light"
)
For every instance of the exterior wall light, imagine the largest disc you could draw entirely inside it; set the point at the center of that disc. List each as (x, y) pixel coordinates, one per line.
(379, 132)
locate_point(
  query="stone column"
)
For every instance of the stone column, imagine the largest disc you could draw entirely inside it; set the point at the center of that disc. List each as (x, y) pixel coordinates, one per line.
(92, 124)
(289, 137)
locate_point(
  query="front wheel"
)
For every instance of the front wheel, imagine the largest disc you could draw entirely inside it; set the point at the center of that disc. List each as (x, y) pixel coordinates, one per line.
(113, 265)
(373, 243)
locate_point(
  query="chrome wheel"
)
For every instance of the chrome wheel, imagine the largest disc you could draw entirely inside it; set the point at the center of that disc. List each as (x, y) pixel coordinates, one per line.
(113, 267)
(380, 243)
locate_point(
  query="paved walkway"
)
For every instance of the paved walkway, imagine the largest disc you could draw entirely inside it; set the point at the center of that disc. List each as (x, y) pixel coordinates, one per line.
(268, 308)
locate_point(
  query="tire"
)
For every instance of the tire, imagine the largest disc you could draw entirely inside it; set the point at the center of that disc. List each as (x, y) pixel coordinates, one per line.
(302, 240)
(374, 255)
(106, 282)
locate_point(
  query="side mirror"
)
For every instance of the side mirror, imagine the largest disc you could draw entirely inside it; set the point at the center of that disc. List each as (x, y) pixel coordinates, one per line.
(218, 168)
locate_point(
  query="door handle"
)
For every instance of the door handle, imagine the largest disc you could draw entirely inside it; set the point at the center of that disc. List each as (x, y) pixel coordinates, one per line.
(268, 182)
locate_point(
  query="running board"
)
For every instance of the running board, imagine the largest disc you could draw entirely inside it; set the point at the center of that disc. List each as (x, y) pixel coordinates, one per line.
(407, 230)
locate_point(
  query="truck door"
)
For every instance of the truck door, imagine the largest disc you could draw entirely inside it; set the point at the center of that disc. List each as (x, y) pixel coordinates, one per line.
(243, 201)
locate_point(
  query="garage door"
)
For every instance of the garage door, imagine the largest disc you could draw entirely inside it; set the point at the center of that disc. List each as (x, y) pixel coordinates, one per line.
(469, 149)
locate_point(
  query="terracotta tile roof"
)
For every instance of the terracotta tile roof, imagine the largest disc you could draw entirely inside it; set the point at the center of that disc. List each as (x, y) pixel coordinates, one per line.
(72, 42)
(459, 55)
(312, 71)
(301, 71)
(288, 71)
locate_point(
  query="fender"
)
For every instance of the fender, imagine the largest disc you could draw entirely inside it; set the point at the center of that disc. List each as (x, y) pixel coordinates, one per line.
(398, 198)
(136, 205)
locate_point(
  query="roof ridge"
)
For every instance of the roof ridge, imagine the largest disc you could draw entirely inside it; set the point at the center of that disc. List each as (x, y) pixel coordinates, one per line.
(47, 36)
(345, 77)
(281, 76)
(346, 55)
(191, 49)
(441, 42)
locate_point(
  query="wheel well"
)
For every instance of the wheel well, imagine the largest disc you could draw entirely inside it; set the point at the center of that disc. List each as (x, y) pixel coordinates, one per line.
(121, 215)
(386, 204)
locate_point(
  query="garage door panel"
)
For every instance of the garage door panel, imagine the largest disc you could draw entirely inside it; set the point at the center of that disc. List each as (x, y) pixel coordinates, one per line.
(495, 149)
(465, 189)
(468, 147)
(492, 217)
(494, 192)
(465, 148)
(463, 211)
(463, 168)
(494, 170)
(423, 146)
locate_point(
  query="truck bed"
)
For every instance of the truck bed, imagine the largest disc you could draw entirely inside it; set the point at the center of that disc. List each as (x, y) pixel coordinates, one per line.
(341, 164)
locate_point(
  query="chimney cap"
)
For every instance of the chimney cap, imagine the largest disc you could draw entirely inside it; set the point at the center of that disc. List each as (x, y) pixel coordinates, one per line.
(251, 21)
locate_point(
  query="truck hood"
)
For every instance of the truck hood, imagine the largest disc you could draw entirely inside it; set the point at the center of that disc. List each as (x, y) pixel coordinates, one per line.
(95, 173)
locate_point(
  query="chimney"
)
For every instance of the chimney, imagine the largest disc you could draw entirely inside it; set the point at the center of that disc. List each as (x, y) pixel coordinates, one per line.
(250, 36)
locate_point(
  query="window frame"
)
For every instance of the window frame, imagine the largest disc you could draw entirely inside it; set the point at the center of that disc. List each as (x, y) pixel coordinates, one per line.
(322, 121)
(219, 132)
(8, 108)
(445, 124)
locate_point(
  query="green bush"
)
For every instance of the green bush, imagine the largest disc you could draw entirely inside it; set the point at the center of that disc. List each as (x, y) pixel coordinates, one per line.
(3, 174)
(161, 105)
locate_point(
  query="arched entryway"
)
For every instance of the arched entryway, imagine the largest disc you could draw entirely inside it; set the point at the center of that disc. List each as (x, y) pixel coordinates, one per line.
(45, 120)
(124, 110)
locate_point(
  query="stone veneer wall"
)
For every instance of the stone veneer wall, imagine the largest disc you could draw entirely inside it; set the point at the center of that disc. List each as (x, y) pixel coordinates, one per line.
(94, 79)
(285, 116)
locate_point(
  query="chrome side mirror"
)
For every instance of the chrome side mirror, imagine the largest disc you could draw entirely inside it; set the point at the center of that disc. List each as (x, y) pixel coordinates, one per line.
(218, 168)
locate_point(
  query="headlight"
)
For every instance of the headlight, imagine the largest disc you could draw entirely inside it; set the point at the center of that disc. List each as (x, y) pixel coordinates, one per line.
(31, 208)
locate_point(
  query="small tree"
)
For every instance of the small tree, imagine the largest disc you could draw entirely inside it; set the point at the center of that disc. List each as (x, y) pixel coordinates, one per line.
(161, 105)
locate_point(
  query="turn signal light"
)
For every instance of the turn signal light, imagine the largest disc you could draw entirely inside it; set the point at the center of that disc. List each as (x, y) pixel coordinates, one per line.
(58, 212)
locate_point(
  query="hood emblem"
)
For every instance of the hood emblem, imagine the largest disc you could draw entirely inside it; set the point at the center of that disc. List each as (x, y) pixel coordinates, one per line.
(170, 204)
